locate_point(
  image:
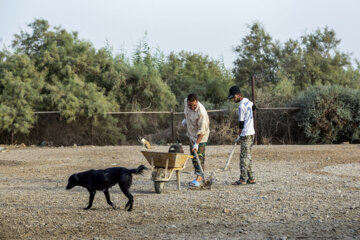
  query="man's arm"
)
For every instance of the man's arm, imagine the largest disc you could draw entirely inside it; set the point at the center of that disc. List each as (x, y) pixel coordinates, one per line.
(199, 138)
(241, 126)
(195, 148)
(203, 125)
(241, 118)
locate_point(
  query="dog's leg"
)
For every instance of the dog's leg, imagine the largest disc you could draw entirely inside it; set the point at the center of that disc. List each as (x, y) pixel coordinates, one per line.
(91, 199)
(107, 195)
(125, 190)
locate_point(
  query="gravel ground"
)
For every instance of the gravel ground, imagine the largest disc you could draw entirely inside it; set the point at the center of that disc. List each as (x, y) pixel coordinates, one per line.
(302, 192)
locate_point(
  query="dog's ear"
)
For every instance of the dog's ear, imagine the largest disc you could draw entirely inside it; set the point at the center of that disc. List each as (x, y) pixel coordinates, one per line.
(74, 178)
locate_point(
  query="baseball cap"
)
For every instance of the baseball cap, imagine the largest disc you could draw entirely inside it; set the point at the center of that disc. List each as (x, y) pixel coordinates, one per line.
(232, 91)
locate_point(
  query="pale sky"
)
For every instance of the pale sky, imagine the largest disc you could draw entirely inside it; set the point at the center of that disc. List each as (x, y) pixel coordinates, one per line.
(211, 27)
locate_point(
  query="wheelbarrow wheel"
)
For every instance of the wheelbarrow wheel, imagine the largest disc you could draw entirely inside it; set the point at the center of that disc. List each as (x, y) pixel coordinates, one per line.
(159, 186)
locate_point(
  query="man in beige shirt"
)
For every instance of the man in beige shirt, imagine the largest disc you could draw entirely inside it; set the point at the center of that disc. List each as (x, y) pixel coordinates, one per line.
(197, 123)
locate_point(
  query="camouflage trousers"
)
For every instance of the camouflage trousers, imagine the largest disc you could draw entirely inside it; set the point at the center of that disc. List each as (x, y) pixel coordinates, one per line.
(201, 154)
(246, 171)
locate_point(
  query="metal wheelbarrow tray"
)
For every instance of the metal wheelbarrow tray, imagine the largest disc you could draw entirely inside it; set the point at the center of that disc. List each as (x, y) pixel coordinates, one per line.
(163, 164)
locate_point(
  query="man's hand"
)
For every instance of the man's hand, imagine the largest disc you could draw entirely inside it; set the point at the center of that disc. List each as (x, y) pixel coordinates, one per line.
(184, 122)
(237, 139)
(195, 147)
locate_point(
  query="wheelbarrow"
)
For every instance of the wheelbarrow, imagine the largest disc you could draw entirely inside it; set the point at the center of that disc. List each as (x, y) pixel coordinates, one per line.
(163, 164)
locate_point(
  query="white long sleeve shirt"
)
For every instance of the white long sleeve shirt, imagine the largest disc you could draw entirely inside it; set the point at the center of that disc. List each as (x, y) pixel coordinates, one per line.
(197, 122)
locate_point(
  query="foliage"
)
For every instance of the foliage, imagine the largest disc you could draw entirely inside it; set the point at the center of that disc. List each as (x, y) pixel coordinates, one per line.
(188, 72)
(256, 57)
(70, 68)
(329, 114)
(50, 69)
(20, 85)
(282, 71)
(144, 90)
(290, 68)
(77, 80)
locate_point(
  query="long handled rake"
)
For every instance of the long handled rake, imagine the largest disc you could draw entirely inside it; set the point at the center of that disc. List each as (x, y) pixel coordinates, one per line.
(207, 183)
(230, 157)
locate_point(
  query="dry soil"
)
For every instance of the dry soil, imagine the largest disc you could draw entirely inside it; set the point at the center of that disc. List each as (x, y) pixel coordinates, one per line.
(302, 192)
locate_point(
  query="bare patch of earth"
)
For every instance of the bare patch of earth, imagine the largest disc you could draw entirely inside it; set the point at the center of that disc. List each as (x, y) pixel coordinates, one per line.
(302, 192)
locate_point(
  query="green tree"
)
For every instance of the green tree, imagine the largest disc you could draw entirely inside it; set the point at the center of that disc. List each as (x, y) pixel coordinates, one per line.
(20, 86)
(257, 56)
(143, 90)
(73, 70)
(314, 60)
(188, 72)
(323, 64)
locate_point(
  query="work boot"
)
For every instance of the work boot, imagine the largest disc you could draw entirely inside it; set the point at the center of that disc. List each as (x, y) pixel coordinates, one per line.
(239, 182)
(251, 181)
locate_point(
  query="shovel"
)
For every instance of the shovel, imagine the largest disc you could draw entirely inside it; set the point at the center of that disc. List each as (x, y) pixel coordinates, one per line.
(207, 183)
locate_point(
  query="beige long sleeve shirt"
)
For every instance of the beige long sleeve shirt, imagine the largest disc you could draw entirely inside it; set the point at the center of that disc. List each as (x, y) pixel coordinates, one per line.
(197, 122)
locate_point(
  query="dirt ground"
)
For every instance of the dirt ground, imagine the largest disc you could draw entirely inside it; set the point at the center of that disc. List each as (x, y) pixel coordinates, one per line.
(302, 192)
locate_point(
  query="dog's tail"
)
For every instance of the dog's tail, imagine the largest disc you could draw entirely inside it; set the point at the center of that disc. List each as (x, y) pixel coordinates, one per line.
(138, 170)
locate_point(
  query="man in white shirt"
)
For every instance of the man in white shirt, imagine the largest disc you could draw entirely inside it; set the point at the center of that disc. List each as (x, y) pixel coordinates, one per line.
(197, 123)
(246, 135)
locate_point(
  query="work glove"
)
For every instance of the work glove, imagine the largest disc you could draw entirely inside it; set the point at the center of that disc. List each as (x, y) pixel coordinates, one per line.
(184, 122)
(237, 139)
(195, 147)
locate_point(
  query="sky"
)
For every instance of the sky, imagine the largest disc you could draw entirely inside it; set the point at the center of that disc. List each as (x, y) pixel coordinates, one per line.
(209, 27)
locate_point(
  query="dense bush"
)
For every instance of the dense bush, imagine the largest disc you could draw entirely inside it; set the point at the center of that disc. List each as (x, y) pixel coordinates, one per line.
(51, 69)
(329, 114)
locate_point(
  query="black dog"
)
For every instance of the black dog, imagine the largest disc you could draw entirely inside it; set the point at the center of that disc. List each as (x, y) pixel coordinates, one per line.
(104, 179)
